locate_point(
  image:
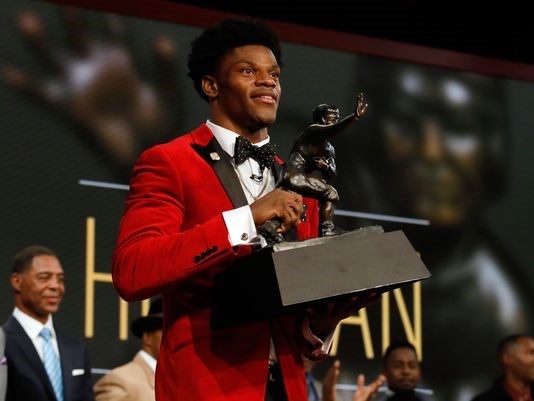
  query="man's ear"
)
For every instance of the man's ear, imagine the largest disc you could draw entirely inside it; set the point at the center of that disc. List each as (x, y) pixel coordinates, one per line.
(506, 359)
(210, 87)
(15, 281)
(144, 338)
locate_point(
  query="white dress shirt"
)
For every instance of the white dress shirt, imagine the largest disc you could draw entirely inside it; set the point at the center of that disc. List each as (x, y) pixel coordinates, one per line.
(240, 223)
(149, 359)
(33, 327)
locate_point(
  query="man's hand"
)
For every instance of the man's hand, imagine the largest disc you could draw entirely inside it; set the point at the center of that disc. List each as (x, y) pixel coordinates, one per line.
(285, 206)
(361, 106)
(325, 316)
(330, 381)
(365, 393)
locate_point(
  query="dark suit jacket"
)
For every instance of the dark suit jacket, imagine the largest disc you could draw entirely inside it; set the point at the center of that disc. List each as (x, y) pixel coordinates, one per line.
(497, 392)
(173, 240)
(27, 377)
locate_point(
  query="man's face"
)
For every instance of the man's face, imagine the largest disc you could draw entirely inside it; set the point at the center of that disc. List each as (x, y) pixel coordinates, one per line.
(40, 288)
(402, 370)
(519, 360)
(435, 148)
(247, 89)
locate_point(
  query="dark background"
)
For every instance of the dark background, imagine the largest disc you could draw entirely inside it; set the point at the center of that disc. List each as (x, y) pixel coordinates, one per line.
(500, 30)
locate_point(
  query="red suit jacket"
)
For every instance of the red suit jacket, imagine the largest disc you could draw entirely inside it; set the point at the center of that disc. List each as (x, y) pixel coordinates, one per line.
(172, 241)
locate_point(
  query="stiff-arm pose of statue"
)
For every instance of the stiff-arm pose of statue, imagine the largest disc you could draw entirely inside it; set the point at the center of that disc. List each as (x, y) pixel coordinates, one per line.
(312, 161)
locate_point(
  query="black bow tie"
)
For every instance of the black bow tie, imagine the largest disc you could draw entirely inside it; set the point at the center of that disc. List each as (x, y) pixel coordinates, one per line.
(264, 155)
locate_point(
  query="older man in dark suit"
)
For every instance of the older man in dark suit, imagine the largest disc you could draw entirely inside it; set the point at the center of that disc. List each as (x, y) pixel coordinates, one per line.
(43, 363)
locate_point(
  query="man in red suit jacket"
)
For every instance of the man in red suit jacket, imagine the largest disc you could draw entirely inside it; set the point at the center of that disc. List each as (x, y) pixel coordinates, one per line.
(193, 210)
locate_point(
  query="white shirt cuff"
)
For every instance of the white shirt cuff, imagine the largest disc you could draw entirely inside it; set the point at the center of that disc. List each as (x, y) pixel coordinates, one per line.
(241, 227)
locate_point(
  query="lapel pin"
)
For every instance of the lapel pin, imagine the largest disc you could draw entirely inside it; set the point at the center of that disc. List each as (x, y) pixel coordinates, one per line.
(215, 156)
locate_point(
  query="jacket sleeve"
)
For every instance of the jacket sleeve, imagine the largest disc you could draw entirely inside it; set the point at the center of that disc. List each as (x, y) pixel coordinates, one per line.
(153, 251)
(112, 387)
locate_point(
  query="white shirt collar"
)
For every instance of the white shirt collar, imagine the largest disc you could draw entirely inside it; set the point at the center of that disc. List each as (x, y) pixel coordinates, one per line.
(149, 359)
(32, 326)
(226, 138)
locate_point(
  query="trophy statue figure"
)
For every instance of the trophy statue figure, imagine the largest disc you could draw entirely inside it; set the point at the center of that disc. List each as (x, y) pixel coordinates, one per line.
(311, 163)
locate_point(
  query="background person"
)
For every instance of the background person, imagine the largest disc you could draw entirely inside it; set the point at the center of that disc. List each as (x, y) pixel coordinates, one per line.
(516, 357)
(436, 148)
(43, 363)
(403, 373)
(136, 379)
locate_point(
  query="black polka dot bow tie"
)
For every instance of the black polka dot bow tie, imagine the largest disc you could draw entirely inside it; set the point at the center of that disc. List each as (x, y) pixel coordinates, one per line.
(264, 155)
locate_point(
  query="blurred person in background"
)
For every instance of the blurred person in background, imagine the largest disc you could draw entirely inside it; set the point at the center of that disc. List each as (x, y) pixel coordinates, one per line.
(94, 82)
(136, 379)
(436, 150)
(402, 370)
(516, 357)
(43, 363)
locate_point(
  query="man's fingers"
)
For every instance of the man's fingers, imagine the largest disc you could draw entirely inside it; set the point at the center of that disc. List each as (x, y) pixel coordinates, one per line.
(360, 381)
(291, 211)
(373, 387)
(283, 205)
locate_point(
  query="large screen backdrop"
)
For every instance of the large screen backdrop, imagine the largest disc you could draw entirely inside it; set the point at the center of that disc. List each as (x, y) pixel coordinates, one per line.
(83, 92)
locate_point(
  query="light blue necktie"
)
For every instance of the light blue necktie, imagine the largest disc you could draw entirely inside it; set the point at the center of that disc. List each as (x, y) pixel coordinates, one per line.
(51, 363)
